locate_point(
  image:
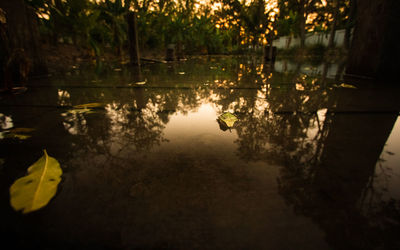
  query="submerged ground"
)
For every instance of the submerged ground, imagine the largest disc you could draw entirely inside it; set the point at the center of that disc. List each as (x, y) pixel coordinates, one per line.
(312, 162)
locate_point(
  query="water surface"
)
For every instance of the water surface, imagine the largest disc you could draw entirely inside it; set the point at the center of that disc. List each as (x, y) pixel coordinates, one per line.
(309, 164)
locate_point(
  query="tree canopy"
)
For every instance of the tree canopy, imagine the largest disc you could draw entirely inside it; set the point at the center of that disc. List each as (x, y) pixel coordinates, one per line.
(200, 26)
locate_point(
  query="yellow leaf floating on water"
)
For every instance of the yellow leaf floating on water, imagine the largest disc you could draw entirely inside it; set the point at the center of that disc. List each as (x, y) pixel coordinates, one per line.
(80, 111)
(89, 105)
(228, 119)
(18, 133)
(345, 85)
(85, 108)
(35, 190)
(21, 130)
(17, 136)
(349, 86)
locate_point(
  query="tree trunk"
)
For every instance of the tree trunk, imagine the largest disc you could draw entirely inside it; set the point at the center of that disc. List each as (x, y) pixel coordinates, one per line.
(331, 42)
(302, 23)
(374, 50)
(23, 33)
(57, 21)
(271, 51)
(350, 24)
(133, 39)
(347, 38)
(288, 41)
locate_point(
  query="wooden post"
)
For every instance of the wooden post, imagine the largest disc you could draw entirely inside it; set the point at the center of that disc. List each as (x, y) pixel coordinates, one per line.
(179, 51)
(170, 54)
(269, 53)
(133, 38)
(272, 51)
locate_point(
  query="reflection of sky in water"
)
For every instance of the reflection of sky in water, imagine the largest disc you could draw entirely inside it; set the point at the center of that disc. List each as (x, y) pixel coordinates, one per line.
(6, 121)
(388, 167)
(198, 126)
(287, 164)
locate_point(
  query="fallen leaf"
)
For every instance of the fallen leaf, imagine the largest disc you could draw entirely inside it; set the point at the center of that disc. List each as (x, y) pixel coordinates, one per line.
(85, 108)
(89, 105)
(35, 190)
(80, 111)
(345, 85)
(17, 133)
(228, 119)
(21, 130)
(17, 136)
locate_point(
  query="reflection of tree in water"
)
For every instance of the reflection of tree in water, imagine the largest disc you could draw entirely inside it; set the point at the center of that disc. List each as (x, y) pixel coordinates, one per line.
(280, 138)
(112, 145)
(132, 121)
(327, 166)
(334, 193)
(136, 117)
(287, 124)
(276, 119)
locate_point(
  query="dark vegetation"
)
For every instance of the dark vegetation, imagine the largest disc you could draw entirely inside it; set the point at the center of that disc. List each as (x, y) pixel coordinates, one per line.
(76, 30)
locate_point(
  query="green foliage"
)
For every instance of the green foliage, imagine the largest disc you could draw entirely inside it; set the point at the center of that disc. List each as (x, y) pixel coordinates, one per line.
(286, 25)
(97, 25)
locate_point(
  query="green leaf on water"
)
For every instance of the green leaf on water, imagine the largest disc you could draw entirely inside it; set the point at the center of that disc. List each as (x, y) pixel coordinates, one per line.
(228, 119)
(35, 190)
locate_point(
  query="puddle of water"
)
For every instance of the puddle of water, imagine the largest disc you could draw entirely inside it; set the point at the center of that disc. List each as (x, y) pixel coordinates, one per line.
(391, 155)
(384, 185)
(151, 167)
